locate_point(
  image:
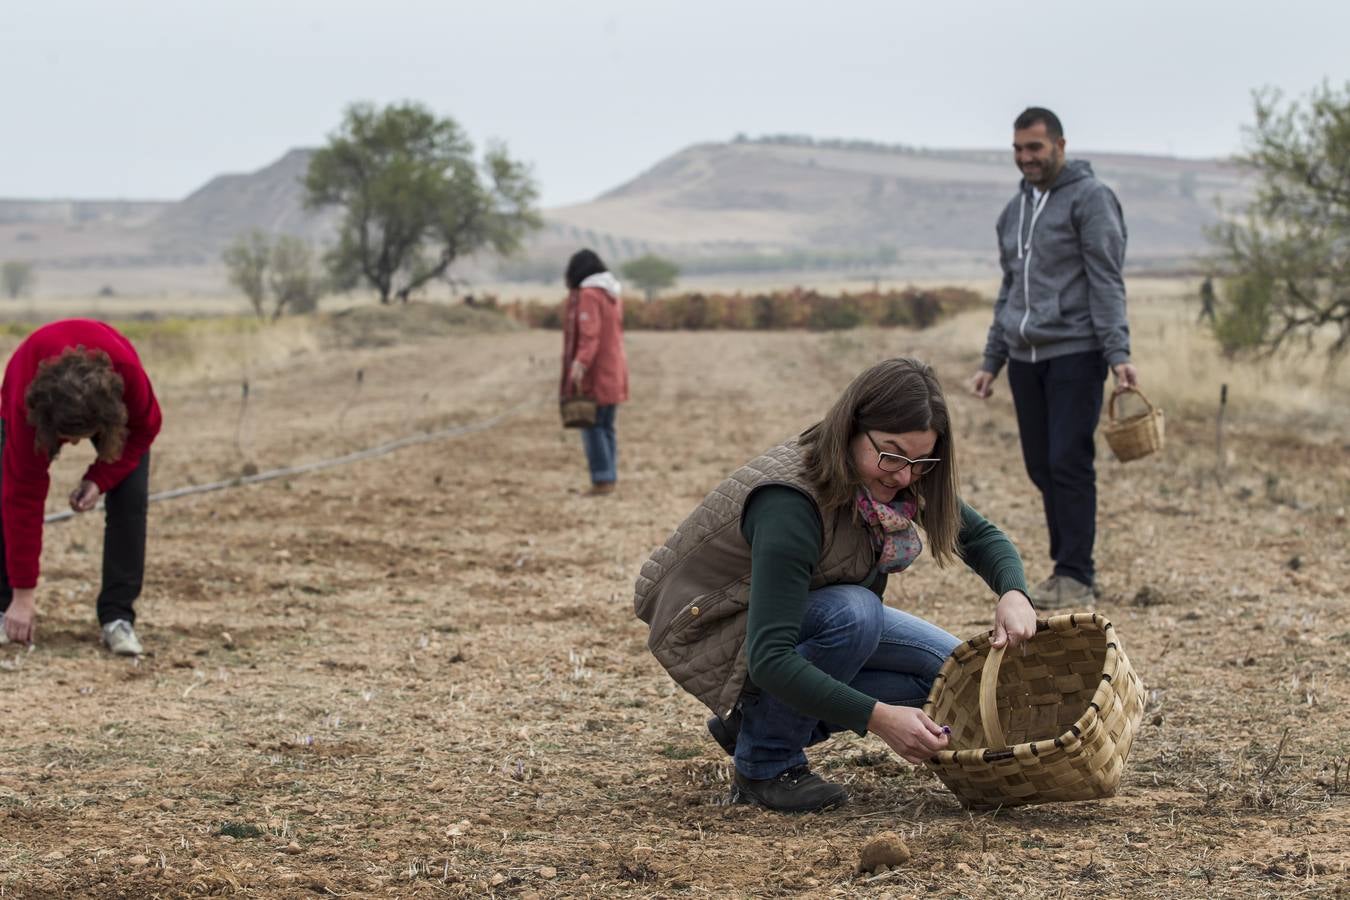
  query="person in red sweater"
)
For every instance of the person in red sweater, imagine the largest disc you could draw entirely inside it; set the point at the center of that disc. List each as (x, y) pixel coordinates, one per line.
(594, 364)
(68, 381)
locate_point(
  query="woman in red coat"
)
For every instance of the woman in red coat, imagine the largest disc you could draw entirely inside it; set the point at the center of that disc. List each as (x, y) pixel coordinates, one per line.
(68, 381)
(594, 364)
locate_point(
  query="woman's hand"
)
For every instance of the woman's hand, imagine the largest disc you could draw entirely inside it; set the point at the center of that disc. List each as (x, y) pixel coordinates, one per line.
(19, 618)
(577, 373)
(907, 731)
(1014, 620)
(84, 497)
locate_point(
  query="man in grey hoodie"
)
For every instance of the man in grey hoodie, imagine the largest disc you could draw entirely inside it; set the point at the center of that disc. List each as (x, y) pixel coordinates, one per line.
(1059, 323)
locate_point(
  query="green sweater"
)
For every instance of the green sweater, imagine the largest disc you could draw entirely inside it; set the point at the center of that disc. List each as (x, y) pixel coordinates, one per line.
(783, 530)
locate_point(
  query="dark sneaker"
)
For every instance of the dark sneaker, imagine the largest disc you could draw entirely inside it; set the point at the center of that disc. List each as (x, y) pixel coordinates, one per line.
(1046, 594)
(796, 790)
(726, 732)
(1074, 594)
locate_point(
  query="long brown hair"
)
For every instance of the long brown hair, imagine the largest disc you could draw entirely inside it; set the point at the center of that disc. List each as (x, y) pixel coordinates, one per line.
(897, 396)
(75, 394)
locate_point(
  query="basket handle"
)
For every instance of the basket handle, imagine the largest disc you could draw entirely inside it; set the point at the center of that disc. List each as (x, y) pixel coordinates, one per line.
(993, 732)
(1111, 404)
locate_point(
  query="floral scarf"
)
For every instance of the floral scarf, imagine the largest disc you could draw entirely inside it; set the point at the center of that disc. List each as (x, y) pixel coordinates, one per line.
(894, 536)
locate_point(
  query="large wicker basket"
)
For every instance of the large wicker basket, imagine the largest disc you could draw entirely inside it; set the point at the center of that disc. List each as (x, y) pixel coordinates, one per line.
(1134, 436)
(1054, 723)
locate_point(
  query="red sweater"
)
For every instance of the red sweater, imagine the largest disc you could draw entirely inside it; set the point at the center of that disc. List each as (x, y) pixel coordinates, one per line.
(24, 480)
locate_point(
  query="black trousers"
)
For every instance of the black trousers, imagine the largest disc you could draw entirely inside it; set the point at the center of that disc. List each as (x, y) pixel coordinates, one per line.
(123, 546)
(1058, 403)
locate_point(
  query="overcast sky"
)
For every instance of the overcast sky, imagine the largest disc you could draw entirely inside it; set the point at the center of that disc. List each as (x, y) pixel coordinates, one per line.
(151, 98)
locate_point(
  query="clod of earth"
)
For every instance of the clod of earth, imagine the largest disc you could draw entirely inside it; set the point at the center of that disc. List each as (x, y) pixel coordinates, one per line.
(886, 850)
(1149, 596)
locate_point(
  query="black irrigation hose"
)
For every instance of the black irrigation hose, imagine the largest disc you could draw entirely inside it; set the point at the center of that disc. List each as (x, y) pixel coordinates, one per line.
(287, 471)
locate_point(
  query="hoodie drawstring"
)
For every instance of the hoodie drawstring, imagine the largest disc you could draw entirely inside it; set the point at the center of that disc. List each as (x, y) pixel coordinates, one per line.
(1026, 259)
(1021, 219)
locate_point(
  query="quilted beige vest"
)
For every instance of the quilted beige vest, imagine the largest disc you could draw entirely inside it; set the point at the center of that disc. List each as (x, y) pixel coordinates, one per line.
(694, 591)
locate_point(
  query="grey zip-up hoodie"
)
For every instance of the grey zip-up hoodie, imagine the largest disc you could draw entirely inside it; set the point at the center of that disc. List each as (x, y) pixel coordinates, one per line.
(1062, 289)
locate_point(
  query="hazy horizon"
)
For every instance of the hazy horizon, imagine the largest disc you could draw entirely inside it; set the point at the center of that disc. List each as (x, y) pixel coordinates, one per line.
(149, 100)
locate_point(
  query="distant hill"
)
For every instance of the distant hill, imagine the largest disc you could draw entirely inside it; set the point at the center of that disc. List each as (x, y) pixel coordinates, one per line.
(773, 196)
(744, 205)
(271, 199)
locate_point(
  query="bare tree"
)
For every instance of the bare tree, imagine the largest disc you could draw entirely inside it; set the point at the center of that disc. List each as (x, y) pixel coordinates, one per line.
(295, 284)
(281, 268)
(246, 259)
(18, 277)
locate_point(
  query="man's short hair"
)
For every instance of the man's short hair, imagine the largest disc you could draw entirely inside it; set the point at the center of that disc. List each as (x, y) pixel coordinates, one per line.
(1033, 114)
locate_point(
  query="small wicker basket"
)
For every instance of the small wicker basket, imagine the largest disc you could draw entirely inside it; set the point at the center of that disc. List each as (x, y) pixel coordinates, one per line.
(577, 411)
(1052, 724)
(1134, 436)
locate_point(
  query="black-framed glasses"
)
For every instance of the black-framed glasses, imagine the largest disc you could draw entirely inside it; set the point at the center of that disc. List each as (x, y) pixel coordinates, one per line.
(894, 462)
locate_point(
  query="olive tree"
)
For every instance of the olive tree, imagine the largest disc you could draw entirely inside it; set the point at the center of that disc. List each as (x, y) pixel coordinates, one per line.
(651, 273)
(415, 198)
(1287, 258)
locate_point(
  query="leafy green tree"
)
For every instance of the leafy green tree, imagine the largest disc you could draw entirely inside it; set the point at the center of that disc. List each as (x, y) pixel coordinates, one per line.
(246, 260)
(1287, 259)
(415, 198)
(651, 273)
(17, 277)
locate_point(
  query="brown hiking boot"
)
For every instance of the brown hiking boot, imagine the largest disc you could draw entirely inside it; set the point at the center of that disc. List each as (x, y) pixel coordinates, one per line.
(600, 488)
(796, 790)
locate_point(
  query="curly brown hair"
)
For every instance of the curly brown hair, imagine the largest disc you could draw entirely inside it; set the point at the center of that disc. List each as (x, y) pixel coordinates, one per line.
(77, 394)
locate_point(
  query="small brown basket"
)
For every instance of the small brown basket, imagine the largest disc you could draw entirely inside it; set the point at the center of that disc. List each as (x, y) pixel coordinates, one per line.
(577, 411)
(1134, 436)
(1052, 724)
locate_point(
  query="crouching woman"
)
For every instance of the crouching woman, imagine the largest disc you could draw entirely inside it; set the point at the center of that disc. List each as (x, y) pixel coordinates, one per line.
(766, 604)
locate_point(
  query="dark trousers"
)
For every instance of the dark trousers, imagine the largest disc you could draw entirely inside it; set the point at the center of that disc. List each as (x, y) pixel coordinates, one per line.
(1058, 403)
(123, 546)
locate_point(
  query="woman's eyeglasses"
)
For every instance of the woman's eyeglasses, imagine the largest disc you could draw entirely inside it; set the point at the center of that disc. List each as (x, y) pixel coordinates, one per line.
(894, 462)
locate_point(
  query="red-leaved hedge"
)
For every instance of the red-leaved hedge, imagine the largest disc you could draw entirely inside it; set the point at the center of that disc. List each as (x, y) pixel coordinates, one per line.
(797, 308)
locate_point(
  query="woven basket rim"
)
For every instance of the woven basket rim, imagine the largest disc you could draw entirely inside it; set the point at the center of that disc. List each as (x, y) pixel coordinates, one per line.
(1073, 734)
(1132, 421)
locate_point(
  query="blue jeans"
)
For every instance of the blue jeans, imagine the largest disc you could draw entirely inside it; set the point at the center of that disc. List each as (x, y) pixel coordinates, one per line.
(602, 451)
(850, 634)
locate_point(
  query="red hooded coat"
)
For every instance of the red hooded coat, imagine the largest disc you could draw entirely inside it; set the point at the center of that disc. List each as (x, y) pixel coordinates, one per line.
(593, 334)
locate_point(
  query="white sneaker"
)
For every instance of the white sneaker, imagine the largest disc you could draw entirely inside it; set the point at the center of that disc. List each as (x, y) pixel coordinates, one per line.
(121, 639)
(4, 638)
